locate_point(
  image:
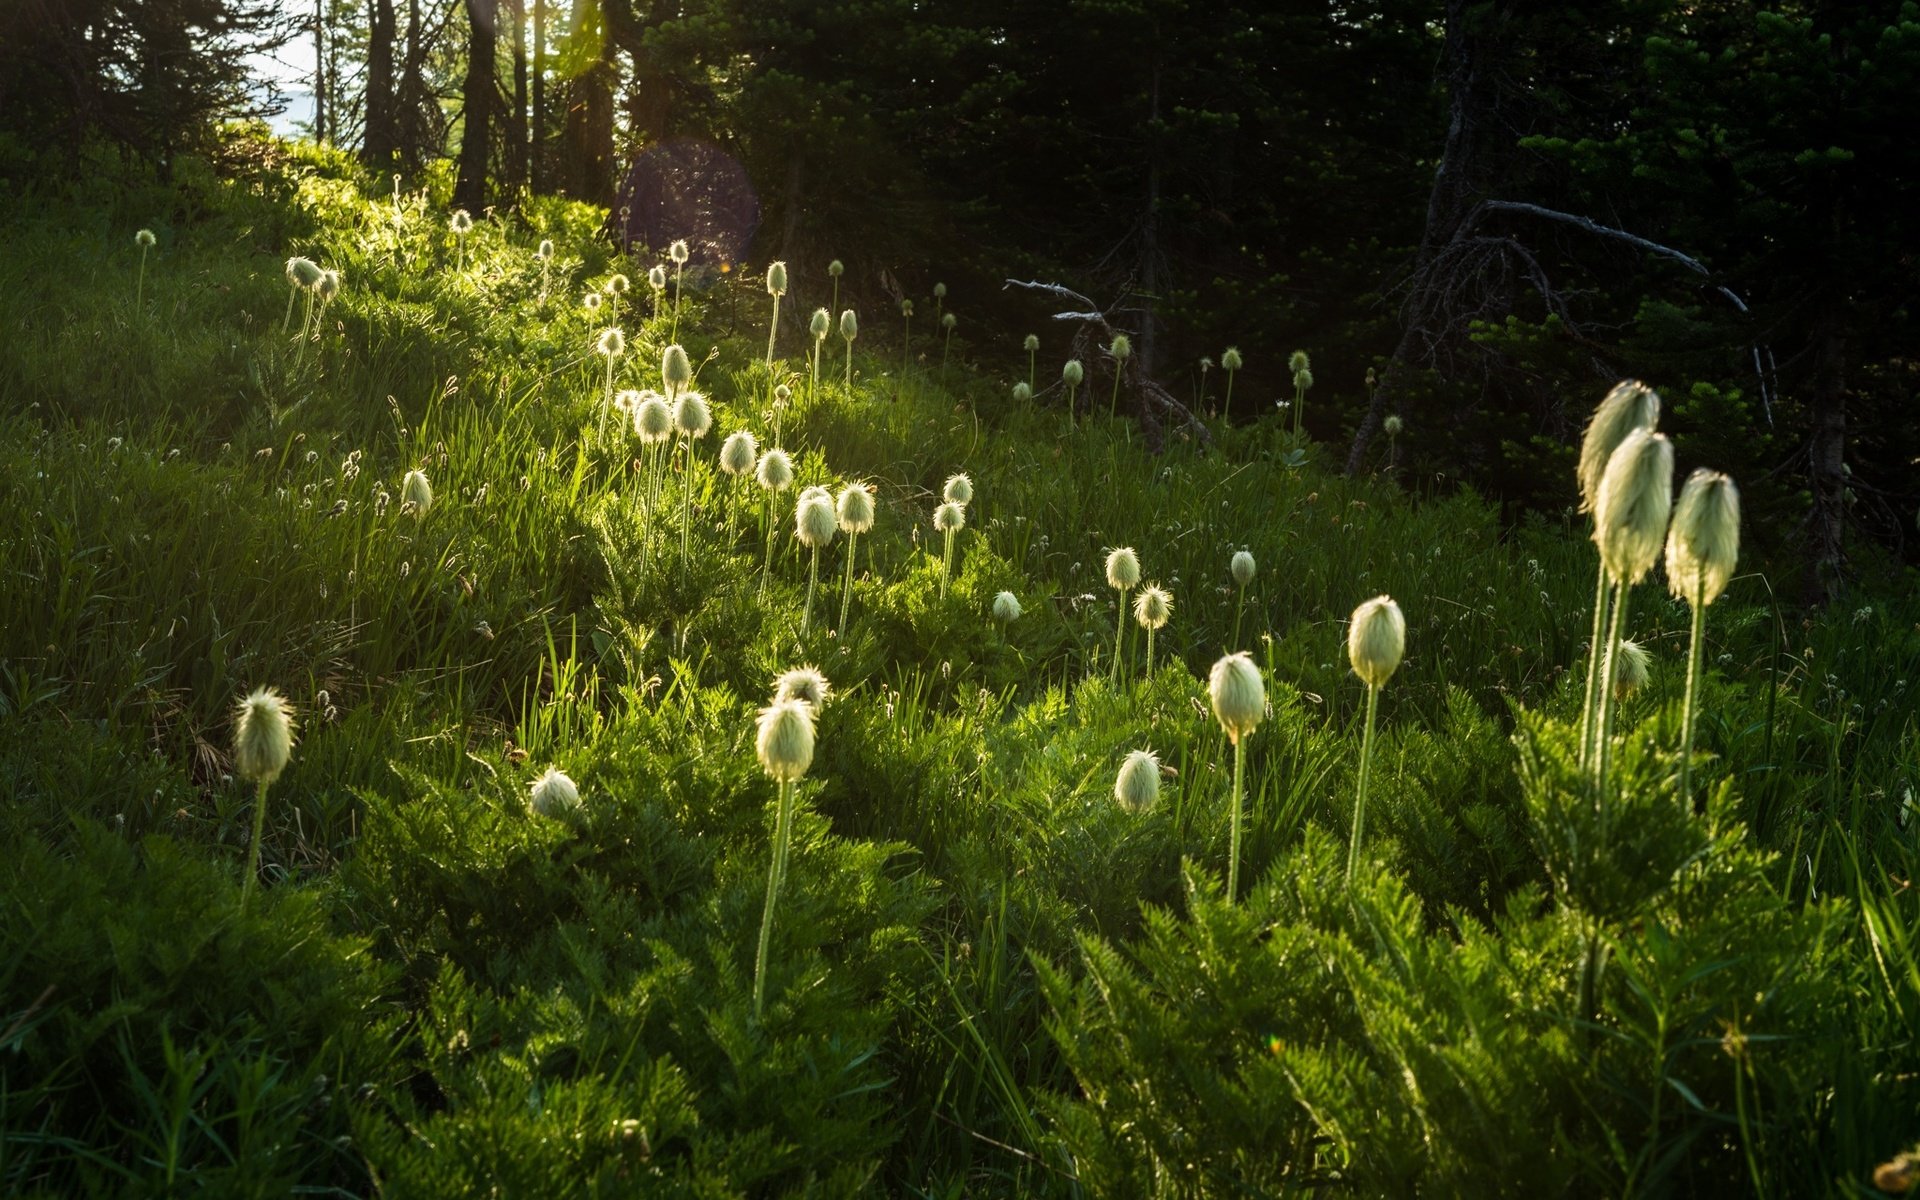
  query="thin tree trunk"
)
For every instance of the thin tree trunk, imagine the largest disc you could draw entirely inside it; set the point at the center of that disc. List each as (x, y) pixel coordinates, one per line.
(319, 72)
(1150, 241)
(517, 155)
(1827, 452)
(587, 166)
(476, 131)
(378, 147)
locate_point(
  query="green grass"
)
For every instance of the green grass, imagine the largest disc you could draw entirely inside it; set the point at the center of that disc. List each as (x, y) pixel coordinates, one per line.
(986, 978)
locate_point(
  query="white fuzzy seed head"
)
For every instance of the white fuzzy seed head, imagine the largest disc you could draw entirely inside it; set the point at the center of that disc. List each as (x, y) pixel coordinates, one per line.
(1631, 669)
(624, 401)
(738, 453)
(805, 684)
(849, 325)
(785, 740)
(1303, 379)
(652, 419)
(676, 371)
(775, 472)
(777, 279)
(948, 321)
(950, 518)
(611, 343)
(1032, 344)
(691, 416)
(1021, 392)
(782, 394)
(657, 278)
(1377, 640)
(1122, 347)
(461, 222)
(544, 252)
(821, 324)
(678, 252)
(1073, 372)
(1152, 607)
(1392, 425)
(592, 301)
(939, 291)
(836, 268)
(416, 492)
(958, 490)
(1239, 695)
(1137, 787)
(1123, 568)
(302, 272)
(1297, 362)
(329, 285)
(617, 285)
(1703, 547)
(144, 239)
(554, 794)
(263, 736)
(1230, 359)
(1632, 506)
(1241, 567)
(1629, 406)
(1006, 607)
(855, 508)
(814, 520)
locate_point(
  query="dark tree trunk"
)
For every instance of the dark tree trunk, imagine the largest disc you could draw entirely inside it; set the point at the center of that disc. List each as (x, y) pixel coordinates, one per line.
(1827, 457)
(382, 138)
(319, 72)
(411, 129)
(517, 177)
(538, 141)
(1457, 181)
(1150, 240)
(476, 132)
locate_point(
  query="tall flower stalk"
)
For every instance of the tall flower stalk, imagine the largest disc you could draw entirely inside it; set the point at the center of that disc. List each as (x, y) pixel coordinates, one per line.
(1703, 547)
(906, 339)
(1630, 405)
(263, 737)
(774, 475)
(784, 744)
(1071, 374)
(813, 523)
(1239, 698)
(1152, 609)
(1241, 566)
(1302, 380)
(693, 419)
(1630, 526)
(145, 240)
(1230, 363)
(1376, 642)
(819, 328)
(679, 253)
(835, 270)
(1033, 349)
(776, 287)
(1122, 350)
(849, 329)
(854, 508)
(948, 520)
(1123, 575)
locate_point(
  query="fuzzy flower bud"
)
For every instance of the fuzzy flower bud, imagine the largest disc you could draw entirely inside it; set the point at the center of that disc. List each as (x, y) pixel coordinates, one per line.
(1241, 567)
(855, 508)
(836, 268)
(805, 684)
(1629, 406)
(592, 301)
(1073, 372)
(738, 452)
(775, 472)
(652, 419)
(1376, 640)
(821, 325)
(1122, 347)
(417, 492)
(939, 291)
(948, 321)
(1303, 379)
(849, 325)
(1703, 546)
(1006, 607)
(949, 518)
(906, 308)
(617, 285)
(1032, 343)
(657, 278)
(302, 272)
(691, 415)
(612, 343)
(1021, 392)
(1297, 362)
(1239, 695)
(554, 794)
(461, 223)
(678, 251)
(777, 279)
(1392, 425)
(1123, 568)
(785, 740)
(1152, 607)
(676, 372)
(1137, 787)
(1230, 359)
(544, 252)
(813, 518)
(263, 736)
(144, 239)
(1631, 508)
(959, 489)
(1630, 669)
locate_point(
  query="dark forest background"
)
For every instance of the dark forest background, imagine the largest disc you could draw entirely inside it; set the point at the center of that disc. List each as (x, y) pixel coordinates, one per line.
(1491, 210)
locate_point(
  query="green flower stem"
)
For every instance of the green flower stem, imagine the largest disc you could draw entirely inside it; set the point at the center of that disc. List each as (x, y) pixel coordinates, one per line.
(1119, 634)
(1593, 666)
(773, 328)
(849, 379)
(1603, 721)
(766, 567)
(1696, 652)
(1226, 406)
(686, 504)
(846, 593)
(673, 336)
(286, 322)
(776, 875)
(253, 848)
(946, 348)
(1113, 404)
(1030, 357)
(1149, 674)
(813, 387)
(1360, 797)
(946, 565)
(1233, 834)
(1239, 607)
(140, 281)
(906, 348)
(813, 580)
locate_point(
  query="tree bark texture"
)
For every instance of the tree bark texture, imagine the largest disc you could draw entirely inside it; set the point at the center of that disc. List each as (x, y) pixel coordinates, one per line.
(476, 131)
